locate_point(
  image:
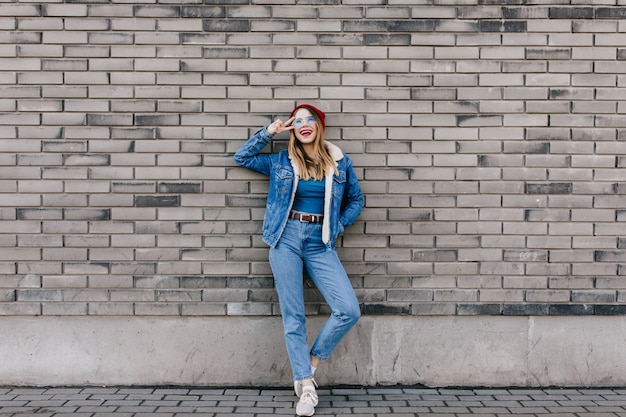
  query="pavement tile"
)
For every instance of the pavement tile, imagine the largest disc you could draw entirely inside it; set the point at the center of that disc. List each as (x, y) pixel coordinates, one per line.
(138, 409)
(97, 409)
(99, 390)
(161, 403)
(612, 402)
(385, 391)
(535, 410)
(207, 391)
(172, 391)
(491, 391)
(73, 415)
(577, 403)
(120, 402)
(412, 411)
(210, 410)
(176, 409)
(198, 403)
(456, 391)
(419, 391)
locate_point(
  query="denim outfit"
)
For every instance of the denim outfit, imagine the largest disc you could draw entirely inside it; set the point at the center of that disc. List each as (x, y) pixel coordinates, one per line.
(295, 245)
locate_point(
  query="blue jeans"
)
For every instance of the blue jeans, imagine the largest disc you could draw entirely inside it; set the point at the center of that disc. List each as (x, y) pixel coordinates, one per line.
(301, 246)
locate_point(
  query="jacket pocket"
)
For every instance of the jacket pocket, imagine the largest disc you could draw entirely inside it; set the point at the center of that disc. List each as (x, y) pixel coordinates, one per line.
(339, 183)
(283, 180)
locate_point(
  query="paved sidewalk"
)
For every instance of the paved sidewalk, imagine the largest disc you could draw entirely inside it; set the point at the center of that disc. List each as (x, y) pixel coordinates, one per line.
(362, 402)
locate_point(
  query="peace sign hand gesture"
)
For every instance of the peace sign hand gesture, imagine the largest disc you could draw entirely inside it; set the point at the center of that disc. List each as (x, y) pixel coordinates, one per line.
(277, 126)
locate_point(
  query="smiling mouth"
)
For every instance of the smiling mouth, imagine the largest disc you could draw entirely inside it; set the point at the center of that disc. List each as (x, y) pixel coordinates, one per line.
(305, 131)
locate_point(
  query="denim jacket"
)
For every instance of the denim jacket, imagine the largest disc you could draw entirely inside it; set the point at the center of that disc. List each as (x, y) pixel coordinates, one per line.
(343, 197)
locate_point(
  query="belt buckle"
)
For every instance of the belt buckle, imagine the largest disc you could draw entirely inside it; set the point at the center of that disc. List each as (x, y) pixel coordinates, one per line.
(306, 218)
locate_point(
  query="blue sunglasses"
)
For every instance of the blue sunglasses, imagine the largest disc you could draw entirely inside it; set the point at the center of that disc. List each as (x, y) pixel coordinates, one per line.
(309, 121)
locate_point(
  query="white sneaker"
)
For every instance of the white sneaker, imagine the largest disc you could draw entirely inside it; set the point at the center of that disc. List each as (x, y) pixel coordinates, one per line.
(297, 387)
(307, 403)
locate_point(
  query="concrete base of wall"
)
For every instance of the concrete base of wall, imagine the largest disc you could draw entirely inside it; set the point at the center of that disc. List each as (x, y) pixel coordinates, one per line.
(249, 351)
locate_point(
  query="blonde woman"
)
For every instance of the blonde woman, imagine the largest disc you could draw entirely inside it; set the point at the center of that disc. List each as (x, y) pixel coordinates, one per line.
(313, 194)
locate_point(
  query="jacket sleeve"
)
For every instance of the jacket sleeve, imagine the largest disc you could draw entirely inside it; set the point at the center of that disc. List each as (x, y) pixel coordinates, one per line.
(353, 196)
(249, 155)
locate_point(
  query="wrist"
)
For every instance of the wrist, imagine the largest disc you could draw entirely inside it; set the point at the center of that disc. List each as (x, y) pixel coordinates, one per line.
(266, 134)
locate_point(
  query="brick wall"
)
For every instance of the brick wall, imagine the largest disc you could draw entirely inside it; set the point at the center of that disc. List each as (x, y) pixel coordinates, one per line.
(488, 136)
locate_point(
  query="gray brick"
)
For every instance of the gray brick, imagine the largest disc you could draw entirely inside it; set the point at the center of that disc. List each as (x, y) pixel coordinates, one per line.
(216, 25)
(563, 309)
(16, 10)
(394, 309)
(479, 309)
(38, 268)
(85, 268)
(33, 214)
(157, 309)
(409, 295)
(571, 12)
(132, 295)
(112, 309)
(243, 309)
(225, 295)
(525, 310)
(204, 309)
(7, 295)
(20, 309)
(39, 295)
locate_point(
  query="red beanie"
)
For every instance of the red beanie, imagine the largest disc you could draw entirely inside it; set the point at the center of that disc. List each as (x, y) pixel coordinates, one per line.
(312, 108)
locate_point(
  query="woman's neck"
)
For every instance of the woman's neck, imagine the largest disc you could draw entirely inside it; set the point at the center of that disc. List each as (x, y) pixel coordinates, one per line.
(309, 151)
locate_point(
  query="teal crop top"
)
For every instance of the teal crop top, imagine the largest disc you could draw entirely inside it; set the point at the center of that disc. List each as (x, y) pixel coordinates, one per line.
(310, 197)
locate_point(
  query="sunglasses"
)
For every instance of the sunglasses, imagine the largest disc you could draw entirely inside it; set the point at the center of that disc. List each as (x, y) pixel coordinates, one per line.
(309, 121)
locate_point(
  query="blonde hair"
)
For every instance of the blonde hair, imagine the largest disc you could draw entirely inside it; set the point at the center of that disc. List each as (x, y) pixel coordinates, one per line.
(322, 162)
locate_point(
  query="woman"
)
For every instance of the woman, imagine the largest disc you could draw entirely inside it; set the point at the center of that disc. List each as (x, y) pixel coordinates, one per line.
(313, 194)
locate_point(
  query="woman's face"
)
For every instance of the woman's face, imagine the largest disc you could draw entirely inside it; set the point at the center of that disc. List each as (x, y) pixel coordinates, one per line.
(305, 126)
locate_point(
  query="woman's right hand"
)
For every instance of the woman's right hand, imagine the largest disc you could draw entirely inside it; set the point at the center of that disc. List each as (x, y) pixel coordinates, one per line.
(277, 126)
